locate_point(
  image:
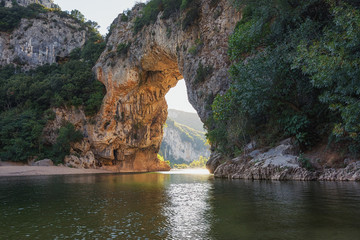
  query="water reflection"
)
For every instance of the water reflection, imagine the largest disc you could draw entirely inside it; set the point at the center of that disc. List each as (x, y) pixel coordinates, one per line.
(176, 206)
(187, 208)
(286, 210)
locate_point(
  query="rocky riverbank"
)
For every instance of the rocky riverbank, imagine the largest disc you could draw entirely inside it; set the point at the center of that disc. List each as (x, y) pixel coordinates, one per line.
(281, 163)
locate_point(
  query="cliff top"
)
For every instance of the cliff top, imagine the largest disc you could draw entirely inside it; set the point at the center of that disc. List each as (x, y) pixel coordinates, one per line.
(24, 3)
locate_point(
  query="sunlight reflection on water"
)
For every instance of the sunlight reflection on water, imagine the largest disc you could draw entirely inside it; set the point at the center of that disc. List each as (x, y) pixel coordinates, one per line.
(187, 210)
(197, 171)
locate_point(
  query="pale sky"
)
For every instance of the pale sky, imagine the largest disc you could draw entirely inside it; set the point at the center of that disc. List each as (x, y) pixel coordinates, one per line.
(104, 12)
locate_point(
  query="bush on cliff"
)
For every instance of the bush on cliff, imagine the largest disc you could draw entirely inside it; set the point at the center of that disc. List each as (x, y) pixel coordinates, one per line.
(295, 73)
(152, 9)
(10, 17)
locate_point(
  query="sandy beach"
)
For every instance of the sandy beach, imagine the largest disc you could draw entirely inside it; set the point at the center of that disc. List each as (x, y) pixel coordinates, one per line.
(14, 169)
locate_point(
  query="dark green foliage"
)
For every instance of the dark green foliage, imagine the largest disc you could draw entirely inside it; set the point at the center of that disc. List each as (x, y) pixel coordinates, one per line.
(125, 16)
(123, 48)
(185, 4)
(305, 162)
(26, 99)
(152, 9)
(191, 16)
(333, 62)
(67, 135)
(92, 49)
(202, 73)
(77, 15)
(20, 134)
(11, 17)
(48, 86)
(196, 48)
(149, 14)
(170, 6)
(293, 61)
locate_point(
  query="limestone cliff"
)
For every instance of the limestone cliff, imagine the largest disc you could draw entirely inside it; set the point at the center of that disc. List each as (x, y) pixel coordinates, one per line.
(139, 69)
(47, 39)
(182, 144)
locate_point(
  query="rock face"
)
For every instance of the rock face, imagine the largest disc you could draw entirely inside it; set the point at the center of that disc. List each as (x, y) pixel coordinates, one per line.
(44, 40)
(282, 163)
(129, 127)
(24, 3)
(216, 159)
(182, 144)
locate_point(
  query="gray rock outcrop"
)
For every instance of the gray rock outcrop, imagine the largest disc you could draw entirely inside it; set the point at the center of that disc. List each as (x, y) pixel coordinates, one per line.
(282, 163)
(43, 163)
(36, 42)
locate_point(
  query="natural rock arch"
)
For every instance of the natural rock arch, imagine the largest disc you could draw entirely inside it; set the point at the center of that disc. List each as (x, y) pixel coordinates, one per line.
(138, 70)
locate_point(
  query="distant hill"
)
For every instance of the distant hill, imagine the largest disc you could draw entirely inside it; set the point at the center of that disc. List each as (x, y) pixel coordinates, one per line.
(183, 144)
(186, 118)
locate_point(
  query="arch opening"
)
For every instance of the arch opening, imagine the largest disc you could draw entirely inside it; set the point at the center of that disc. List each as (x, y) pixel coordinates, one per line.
(184, 142)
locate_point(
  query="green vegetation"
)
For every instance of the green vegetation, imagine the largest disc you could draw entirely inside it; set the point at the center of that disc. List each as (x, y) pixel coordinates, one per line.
(202, 73)
(123, 48)
(161, 158)
(295, 74)
(188, 134)
(10, 17)
(26, 100)
(67, 135)
(186, 118)
(200, 163)
(196, 48)
(192, 13)
(305, 162)
(152, 9)
(125, 16)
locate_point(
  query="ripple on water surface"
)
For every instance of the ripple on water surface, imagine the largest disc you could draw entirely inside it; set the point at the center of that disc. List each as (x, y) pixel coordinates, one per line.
(176, 205)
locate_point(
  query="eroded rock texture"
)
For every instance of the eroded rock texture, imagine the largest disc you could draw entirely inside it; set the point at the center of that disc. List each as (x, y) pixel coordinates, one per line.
(282, 163)
(44, 40)
(138, 70)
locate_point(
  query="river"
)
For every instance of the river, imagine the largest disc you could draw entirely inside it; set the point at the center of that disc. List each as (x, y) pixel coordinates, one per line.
(176, 205)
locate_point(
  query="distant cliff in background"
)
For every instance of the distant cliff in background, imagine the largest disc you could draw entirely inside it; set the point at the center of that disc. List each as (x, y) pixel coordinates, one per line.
(182, 143)
(186, 118)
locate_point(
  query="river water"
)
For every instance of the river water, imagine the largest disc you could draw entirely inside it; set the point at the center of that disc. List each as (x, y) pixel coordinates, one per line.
(176, 205)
